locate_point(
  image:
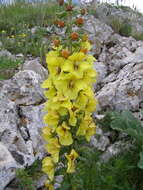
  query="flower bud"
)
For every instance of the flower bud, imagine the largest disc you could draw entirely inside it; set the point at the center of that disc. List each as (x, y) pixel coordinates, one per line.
(56, 43)
(79, 21)
(61, 24)
(69, 8)
(74, 35)
(65, 53)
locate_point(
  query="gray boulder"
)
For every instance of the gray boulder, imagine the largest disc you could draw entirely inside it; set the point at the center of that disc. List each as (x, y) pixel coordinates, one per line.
(24, 88)
(34, 65)
(7, 166)
(125, 93)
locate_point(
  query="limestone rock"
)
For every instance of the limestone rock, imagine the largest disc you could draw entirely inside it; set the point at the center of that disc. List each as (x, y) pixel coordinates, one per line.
(125, 93)
(34, 65)
(101, 70)
(98, 29)
(7, 166)
(33, 124)
(24, 88)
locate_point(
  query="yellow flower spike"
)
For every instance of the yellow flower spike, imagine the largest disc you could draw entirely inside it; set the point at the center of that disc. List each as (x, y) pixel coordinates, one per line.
(70, 98)
(48, 167)
(53, 147)
(64, 134)
(71, 161)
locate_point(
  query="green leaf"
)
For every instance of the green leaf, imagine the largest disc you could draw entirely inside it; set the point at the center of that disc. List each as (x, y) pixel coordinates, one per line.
(140, 163)
(126, 122)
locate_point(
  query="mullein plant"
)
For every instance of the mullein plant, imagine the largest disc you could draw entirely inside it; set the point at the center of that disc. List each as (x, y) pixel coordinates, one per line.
(69, 92)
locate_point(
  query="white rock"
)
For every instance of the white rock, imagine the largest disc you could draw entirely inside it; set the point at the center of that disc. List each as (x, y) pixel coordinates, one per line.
(7, 166)
(24, 88)
(34, 115)
(125, 93)
(35, 66)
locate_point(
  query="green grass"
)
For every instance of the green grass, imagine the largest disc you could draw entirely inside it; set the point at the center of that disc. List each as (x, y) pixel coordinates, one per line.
(7, 67)
(138, 36)
(21, 15)
(26, 177)
(24, 41)
(16, 22)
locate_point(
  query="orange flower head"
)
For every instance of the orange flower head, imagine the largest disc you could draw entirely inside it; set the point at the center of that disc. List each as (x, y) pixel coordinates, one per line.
(79, 21)
(56, 42)
(61, 24)
(74, 35)
(65, 53)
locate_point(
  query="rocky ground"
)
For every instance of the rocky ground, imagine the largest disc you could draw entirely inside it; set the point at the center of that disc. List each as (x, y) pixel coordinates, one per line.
(119, 87)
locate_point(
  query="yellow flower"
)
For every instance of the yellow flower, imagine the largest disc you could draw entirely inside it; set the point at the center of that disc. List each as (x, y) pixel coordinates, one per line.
(87, 127)
(54, 64)
(84, 124)
(59, 101)
(51, 90)
(48, 167)
(65, 136)
(53, 147)
(47, 83)
(49, 185)
(90, 59)
(47, 133)
(51, 118)
(74, 69)
(71, 161)
(90, 76)
(86, 45)
(77, 56)
(90, 131)
(71, 87)
(72, 119)
(86, 100)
